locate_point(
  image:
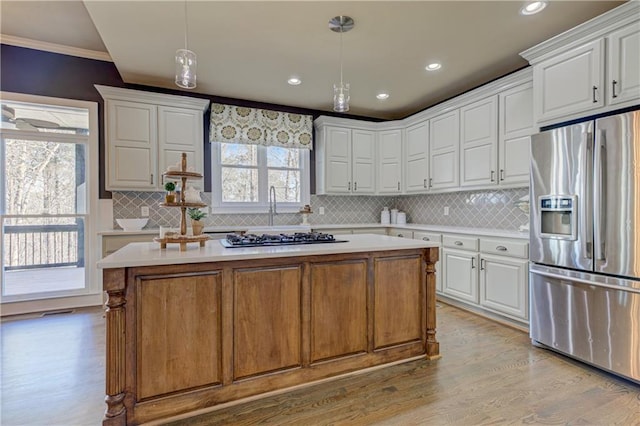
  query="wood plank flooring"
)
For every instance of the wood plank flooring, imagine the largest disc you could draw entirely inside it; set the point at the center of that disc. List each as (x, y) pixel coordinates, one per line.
(53, 374)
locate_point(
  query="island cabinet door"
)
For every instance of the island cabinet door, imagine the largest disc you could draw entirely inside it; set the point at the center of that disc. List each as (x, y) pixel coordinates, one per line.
(398, 286)
(338, 309)
(178, 333)
(266, 320)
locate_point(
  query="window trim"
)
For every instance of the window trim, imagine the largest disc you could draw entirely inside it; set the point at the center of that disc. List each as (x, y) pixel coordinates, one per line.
(218, 206)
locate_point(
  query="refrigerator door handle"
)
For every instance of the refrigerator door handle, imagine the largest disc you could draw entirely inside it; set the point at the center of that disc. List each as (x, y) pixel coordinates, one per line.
(599, 199)
(586, 225)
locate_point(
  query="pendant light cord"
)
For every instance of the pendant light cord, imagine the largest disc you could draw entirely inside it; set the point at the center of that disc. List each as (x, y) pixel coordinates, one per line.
(186, 26)
(341, 30)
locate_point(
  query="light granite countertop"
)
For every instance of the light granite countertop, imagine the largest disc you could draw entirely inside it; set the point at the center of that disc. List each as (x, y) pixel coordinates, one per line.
(150, 254)
(486, 232)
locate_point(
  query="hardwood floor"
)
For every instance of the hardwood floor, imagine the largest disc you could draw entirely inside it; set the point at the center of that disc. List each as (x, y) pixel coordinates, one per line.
(53, 374)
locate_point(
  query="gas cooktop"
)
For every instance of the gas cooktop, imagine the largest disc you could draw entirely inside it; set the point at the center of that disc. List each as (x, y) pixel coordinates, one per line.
(253, 240)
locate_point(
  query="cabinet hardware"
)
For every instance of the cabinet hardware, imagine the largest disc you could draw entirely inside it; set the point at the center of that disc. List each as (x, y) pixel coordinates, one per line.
(426, 238)
(151, 182)
(493, 176)
(482, 264)
(425, 183)
(501, 248)
(398, 186)
(349, 186)
(430, 182)
(613, 89)
(595, 89)
(501, 174)
(458, 243)
(473, 263)
(355, 186)
(400, 235)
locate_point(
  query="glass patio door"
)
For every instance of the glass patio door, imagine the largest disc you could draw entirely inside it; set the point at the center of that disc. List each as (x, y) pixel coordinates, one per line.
(43, 152)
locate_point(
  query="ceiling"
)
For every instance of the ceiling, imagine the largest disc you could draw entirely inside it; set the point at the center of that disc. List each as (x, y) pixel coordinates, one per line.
(248, 49)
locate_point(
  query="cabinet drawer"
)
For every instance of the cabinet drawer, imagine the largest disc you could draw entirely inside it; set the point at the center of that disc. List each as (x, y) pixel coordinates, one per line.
(511, 248)
(460, 242)
(427, 236)
(402, 233)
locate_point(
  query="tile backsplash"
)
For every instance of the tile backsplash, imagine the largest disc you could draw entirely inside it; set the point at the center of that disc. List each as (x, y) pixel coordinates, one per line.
(479, 209)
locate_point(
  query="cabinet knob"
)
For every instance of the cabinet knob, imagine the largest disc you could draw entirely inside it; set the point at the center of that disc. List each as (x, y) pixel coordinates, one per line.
(595, 90)
(151, 182)
(430, 182)
(501, 248)
(613, 89)
(355, 186)
(473, 263)
(426, 238)
(502, 174)
(425, 183)
(458, 243)
(398, 186)
(493, 173)
(349, 186)
(482, 264)
(400, 235)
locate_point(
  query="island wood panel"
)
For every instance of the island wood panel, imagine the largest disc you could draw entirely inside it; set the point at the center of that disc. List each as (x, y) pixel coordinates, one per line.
(178, 332)
(124, 404)
(267, 320)
(398, 286)
(338, 309)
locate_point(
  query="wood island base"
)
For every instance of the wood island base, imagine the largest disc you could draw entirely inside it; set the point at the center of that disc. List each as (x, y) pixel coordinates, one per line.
(187, 337)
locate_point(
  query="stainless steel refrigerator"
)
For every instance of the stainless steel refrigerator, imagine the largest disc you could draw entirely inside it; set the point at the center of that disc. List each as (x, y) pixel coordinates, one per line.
(585, 242)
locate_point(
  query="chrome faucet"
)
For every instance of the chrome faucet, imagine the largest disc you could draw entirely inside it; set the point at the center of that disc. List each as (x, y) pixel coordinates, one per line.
(272, 204)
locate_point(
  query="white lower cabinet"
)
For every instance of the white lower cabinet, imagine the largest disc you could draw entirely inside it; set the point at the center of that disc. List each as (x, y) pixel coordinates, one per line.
(460, 274)
(487, 273)
(501, 285)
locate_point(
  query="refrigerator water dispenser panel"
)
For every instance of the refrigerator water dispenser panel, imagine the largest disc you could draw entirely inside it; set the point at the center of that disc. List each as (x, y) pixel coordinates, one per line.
(558, 217)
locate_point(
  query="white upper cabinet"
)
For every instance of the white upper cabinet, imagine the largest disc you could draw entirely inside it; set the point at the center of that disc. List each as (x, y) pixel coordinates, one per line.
(479, 142)
(178, 128)
(444, 138)
(390, 161)
(363, 161)
(416, 161)
(146, 133)
(590, 69)
(514, 129)
(571, 82)
(624, 65)
(345, 160)
(131, 146)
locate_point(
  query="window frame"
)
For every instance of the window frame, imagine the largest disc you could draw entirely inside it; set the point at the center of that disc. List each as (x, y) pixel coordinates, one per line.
(262, 206)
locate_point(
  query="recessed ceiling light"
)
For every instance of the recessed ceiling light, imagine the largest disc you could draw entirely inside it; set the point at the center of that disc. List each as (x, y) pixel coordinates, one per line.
(382, 96)
(294, 81)
(533, 7)
(433, 66)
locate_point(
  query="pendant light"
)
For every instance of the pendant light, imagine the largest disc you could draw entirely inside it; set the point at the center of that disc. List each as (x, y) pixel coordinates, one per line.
(341, 24)
(186, 61)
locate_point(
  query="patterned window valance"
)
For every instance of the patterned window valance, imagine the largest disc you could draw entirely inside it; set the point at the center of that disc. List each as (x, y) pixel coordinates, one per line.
(260, 127)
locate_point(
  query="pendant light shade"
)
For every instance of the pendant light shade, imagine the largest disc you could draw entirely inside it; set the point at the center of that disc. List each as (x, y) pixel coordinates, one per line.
(186, 61)
(341, 97)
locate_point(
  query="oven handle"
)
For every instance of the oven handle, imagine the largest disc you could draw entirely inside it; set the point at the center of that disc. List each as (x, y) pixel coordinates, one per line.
(583, 281)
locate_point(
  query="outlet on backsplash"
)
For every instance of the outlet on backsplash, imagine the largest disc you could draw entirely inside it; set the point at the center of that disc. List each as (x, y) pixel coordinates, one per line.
(144, 211)
(321, 210)
(446, 210)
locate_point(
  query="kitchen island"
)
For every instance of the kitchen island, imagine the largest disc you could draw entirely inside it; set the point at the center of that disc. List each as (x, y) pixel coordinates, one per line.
(190, 330)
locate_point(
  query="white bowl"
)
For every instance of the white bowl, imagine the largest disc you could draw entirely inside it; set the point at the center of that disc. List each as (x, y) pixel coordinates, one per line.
(132, 224)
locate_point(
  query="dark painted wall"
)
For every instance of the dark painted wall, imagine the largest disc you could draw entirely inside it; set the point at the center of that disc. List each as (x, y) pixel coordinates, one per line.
(42, 73)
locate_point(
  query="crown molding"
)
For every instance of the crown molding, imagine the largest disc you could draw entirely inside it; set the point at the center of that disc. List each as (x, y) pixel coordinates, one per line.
(599, 26)
(132, 95)
(54, 48)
